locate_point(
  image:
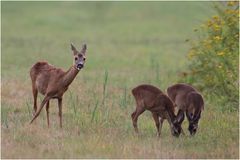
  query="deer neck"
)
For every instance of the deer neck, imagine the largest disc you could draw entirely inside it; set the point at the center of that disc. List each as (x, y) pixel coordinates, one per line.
(170, 116)
(69, 76)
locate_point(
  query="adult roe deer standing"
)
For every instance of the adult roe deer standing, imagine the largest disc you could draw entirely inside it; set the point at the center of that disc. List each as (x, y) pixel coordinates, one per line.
(153, 99)
(52, 82)
(187, 100)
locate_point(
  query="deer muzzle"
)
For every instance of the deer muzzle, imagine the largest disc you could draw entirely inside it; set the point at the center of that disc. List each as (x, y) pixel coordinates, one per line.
(79, 66)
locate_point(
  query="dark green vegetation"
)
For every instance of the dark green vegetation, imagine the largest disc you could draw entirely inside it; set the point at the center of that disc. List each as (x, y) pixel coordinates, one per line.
(129, 43)
(215, 56)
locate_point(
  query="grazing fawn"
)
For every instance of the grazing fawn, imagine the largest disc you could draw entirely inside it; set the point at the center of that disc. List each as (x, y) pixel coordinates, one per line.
(153, 99)
(188, 100)
(53, 82)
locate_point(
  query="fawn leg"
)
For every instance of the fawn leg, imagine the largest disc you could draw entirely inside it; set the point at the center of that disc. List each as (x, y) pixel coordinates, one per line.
(161, 122)
(45, 100)
(138, 112)
(133, 114)
(157, 123)
(60, 111)
(47, 110)
(35, 93)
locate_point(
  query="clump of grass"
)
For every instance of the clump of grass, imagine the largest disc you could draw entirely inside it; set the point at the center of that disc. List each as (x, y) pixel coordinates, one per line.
(94, 111)
(4, 117)
(105, 86)
(28, 108)
(73, 101)
(123, 100)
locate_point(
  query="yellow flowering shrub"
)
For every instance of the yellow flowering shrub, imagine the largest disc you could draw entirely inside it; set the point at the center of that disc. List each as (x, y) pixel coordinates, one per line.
(214, 55)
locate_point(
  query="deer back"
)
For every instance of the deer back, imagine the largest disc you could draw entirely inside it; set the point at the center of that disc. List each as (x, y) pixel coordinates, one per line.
(145, 95)
(154, 100)
(44, 75)
(178, 94)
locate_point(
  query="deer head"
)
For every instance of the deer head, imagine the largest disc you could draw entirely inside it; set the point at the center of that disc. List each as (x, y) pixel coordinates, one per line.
(193, 112)
(193, 119)
(79, 56)
(176, 128)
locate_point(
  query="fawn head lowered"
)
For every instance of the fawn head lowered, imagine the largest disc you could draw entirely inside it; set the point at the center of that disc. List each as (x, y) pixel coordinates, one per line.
(188, 101)
(193, 122)
(79, 57)
(194, 110)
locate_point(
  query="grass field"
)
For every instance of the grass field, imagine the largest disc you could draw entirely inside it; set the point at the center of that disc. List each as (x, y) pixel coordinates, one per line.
(129, 43)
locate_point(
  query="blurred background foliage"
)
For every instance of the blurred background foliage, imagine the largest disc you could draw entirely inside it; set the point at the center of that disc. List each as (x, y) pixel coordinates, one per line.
(214, 56)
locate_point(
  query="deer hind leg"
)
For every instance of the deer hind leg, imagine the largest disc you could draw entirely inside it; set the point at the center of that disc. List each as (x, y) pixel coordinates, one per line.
(60, 111)
(138, 112)
(45, 100)
(157, 123)
(133, 114)
(35, 93)
(47, 110)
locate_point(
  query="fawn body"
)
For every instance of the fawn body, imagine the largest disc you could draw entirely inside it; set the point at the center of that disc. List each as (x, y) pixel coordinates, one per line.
(153, 99)
(188, 100)
(52, 82)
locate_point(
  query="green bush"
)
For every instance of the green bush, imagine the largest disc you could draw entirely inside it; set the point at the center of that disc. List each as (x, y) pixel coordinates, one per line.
(214, 55)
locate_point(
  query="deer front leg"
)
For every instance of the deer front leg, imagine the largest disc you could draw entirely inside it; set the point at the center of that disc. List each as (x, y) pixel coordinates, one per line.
(45, 100)
(60, 111)
(47, 110)
(157, 123)
(161, 122)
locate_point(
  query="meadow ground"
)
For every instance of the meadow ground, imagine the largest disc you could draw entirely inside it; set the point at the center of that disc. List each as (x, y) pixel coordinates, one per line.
(129, 43)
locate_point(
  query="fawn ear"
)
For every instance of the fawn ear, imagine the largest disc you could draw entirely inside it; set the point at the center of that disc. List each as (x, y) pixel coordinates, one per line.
(197, 117)
(72, 47)
(180, 117)
(84, 48)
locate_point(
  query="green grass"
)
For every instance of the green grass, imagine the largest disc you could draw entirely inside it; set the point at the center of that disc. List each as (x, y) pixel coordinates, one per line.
(129, 43)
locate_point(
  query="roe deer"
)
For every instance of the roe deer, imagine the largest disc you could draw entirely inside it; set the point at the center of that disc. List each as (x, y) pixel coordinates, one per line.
(188, 100)
(153, 99)
(52, 82)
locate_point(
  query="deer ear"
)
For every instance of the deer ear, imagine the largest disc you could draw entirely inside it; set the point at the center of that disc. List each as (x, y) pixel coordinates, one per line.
(197, 117)
(180, 116)
(84, 48)
(72, 47)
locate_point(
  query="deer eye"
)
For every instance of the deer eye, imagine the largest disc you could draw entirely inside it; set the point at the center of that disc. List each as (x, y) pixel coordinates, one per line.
(76, 58)
(84, 58)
